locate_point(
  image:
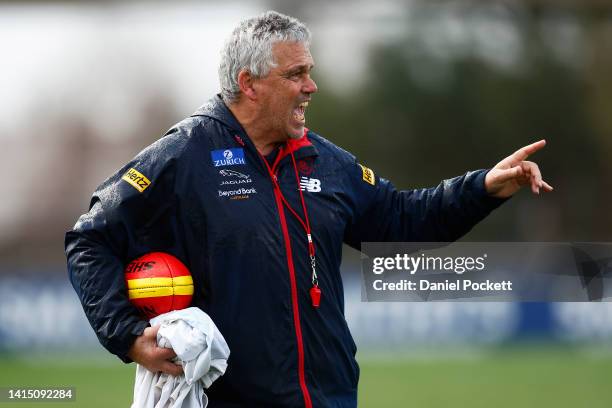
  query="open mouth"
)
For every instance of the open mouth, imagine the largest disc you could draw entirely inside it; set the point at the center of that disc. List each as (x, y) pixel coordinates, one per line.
(298, 113)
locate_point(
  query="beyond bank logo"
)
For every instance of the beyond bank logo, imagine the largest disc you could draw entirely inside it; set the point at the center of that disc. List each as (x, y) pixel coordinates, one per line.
(227, 157)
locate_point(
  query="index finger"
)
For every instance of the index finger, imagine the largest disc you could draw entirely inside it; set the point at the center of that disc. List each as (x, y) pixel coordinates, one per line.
(524, 152)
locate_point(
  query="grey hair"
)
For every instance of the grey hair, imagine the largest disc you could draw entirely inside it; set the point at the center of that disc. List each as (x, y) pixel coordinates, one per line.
(249, 47)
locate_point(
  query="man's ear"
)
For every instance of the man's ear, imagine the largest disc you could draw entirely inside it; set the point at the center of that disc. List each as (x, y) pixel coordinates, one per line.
(245, 81)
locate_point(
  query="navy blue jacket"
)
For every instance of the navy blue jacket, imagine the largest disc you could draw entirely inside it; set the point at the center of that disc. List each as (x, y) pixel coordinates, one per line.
(204, 194)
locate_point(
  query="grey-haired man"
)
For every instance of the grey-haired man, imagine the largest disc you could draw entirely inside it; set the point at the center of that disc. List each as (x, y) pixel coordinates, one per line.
(264, 240)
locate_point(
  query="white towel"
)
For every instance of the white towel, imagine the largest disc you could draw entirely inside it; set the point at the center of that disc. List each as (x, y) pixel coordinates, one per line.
(200, 349)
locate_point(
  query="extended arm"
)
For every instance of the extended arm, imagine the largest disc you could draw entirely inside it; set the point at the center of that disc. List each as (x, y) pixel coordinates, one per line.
(440, 214)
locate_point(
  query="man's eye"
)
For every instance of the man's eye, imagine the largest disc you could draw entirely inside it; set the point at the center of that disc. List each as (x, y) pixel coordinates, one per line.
(294, 75)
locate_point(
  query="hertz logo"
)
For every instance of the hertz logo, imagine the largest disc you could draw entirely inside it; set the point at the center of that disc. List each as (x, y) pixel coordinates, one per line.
(136, 179)
(368, 175)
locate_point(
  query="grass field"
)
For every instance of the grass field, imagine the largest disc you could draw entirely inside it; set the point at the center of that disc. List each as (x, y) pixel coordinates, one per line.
(514, 378)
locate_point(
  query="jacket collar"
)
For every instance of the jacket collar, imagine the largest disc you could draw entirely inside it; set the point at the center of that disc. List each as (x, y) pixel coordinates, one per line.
(216, 109)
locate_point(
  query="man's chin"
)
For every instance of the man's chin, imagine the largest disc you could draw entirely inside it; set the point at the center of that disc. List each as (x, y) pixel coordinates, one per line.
(296, 133)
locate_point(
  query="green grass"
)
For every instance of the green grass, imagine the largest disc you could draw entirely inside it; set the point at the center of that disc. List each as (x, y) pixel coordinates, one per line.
(518, 377)
(99, 382)
(511, 378)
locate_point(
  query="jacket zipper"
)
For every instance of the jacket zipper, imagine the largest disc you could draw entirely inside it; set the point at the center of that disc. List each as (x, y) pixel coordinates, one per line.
(294, 298)
(278, 196)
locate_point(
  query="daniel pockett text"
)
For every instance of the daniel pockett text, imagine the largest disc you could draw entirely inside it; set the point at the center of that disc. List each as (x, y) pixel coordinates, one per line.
(422, 264)
(485, 271)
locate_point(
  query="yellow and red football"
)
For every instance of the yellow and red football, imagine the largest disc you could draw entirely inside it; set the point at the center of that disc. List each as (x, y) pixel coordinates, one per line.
(158, 283)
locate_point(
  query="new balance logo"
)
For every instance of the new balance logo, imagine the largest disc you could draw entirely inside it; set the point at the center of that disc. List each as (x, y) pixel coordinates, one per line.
(312, 185)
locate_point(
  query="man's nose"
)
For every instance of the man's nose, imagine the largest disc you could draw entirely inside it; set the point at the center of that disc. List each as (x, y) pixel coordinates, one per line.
(310, 86)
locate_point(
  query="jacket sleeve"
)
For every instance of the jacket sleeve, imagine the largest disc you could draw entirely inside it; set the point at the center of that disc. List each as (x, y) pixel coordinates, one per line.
(130, 214)
(440, 214)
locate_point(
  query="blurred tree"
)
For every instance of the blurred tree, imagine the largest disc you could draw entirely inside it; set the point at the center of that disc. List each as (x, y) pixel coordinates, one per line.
(419, 118)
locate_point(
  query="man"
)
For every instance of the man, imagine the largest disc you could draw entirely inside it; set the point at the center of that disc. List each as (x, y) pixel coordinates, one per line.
(257, 206)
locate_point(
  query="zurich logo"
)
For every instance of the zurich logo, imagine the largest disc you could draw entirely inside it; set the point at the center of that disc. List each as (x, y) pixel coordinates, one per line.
(227, 157)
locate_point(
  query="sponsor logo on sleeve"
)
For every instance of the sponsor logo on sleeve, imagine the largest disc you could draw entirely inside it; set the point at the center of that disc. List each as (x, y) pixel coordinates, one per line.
(368, 175)
(136, 179)
(227, 157)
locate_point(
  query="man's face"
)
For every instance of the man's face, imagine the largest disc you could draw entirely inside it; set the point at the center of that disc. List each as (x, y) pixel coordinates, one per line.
(284, 94)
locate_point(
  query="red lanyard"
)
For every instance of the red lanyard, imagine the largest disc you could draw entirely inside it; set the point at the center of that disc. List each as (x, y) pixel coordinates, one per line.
(315, 291)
